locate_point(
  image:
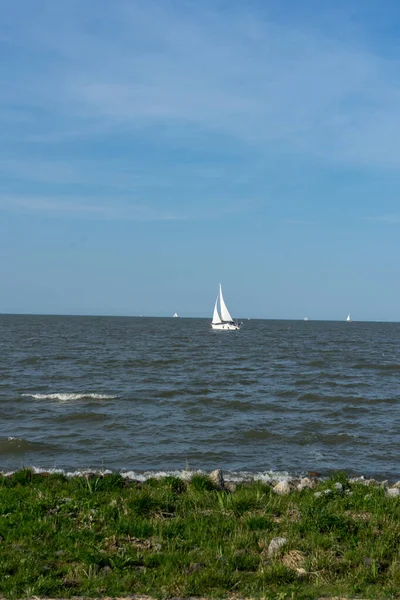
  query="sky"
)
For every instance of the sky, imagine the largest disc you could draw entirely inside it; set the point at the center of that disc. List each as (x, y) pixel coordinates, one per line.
(152, 149)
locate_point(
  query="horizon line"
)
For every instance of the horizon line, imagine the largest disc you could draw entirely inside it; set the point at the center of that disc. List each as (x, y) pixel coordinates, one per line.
(109, 316)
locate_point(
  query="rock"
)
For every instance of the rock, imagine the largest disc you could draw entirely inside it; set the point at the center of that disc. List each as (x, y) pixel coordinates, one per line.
(306, 482)
(275, 545)
(282, 488)
(230, 486)
(217, 479)
(195, 567)
(392, 492)
(157, 547)
(324, 493)
(338, 486)
(396, 485)
(363, 481)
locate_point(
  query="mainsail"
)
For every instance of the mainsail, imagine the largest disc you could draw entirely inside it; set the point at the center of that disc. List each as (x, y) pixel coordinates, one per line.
(225, 315)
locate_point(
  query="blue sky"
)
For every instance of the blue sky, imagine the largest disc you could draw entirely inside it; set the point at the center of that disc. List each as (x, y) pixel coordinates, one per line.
(149, 150)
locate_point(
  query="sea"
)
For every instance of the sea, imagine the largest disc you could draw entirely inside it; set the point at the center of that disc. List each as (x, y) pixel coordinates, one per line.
(150, 396)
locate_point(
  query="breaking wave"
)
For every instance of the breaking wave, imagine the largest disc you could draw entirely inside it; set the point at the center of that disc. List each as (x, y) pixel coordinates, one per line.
(142, 476)
(66, 397)
(237, 477)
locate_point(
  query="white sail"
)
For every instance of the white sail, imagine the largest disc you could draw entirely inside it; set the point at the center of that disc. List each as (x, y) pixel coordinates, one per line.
(225, 315)
(348, 318)
(216, 318)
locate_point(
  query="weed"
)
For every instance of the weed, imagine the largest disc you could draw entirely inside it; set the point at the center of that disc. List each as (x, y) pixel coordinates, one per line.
(102, 536)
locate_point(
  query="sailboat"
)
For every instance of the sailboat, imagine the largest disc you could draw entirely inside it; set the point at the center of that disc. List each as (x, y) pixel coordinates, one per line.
(175, 315)
(348, 318)
(222, 320)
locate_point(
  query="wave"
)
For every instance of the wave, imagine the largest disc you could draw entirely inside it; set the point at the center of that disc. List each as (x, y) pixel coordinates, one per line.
(269, 476)
(81, 416)
(13, 445)
(377, 366)
(66, 397)
(186, 475)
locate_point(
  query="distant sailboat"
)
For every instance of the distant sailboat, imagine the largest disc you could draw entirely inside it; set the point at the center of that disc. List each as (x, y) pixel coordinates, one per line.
(305, 318)
(348, 318)
(176, 315)
(222, 320)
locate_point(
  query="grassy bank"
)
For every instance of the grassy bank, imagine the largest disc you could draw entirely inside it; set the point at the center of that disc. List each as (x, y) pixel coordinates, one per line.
(97, 536)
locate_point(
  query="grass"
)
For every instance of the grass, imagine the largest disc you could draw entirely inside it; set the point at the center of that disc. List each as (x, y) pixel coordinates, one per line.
(98, 536)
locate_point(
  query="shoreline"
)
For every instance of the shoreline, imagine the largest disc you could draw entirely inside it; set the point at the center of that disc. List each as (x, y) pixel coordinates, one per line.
(232, 477)
(103, 535)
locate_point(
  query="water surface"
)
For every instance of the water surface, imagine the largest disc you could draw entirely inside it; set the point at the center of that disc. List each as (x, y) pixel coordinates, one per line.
(141, 394)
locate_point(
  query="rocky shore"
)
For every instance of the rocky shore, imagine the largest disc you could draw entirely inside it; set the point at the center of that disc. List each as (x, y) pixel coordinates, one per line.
(200, 536)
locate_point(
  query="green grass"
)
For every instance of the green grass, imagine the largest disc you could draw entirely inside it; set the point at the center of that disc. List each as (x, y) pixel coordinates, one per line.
(98, 536)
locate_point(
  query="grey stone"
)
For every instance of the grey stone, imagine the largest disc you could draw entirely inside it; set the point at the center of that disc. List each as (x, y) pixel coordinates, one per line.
(306, 482)
(282, 488)
(194, 567)
(230, 486)
(275, 545)
(324, 493)
(217, 479)
(393, 492)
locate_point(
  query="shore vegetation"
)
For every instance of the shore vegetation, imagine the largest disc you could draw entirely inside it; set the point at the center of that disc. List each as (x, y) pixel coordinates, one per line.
(104, 535)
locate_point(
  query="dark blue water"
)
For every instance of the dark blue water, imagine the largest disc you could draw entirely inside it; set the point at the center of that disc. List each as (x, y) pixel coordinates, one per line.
(141, 394)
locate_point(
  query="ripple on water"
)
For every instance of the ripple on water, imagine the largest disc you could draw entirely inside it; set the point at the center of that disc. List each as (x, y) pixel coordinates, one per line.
(153, 392)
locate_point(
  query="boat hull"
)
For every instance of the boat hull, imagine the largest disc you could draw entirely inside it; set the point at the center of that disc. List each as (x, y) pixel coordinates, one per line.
(225, 326)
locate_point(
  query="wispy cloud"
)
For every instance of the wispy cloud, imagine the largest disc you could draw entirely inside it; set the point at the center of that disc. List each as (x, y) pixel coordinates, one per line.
(190, 105)
(84, 208)
(298, 222)
(231, 72)
(110, 209)
(393, 219)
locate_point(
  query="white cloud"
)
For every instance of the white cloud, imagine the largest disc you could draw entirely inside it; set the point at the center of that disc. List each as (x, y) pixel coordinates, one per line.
(394, 219)
(110, 209)
(146, 66)
(83, 208)
(298, 222)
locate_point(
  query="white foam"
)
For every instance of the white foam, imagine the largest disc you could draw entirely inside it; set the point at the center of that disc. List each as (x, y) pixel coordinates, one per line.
(66, 397)
(134, 476)
(271, 477)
